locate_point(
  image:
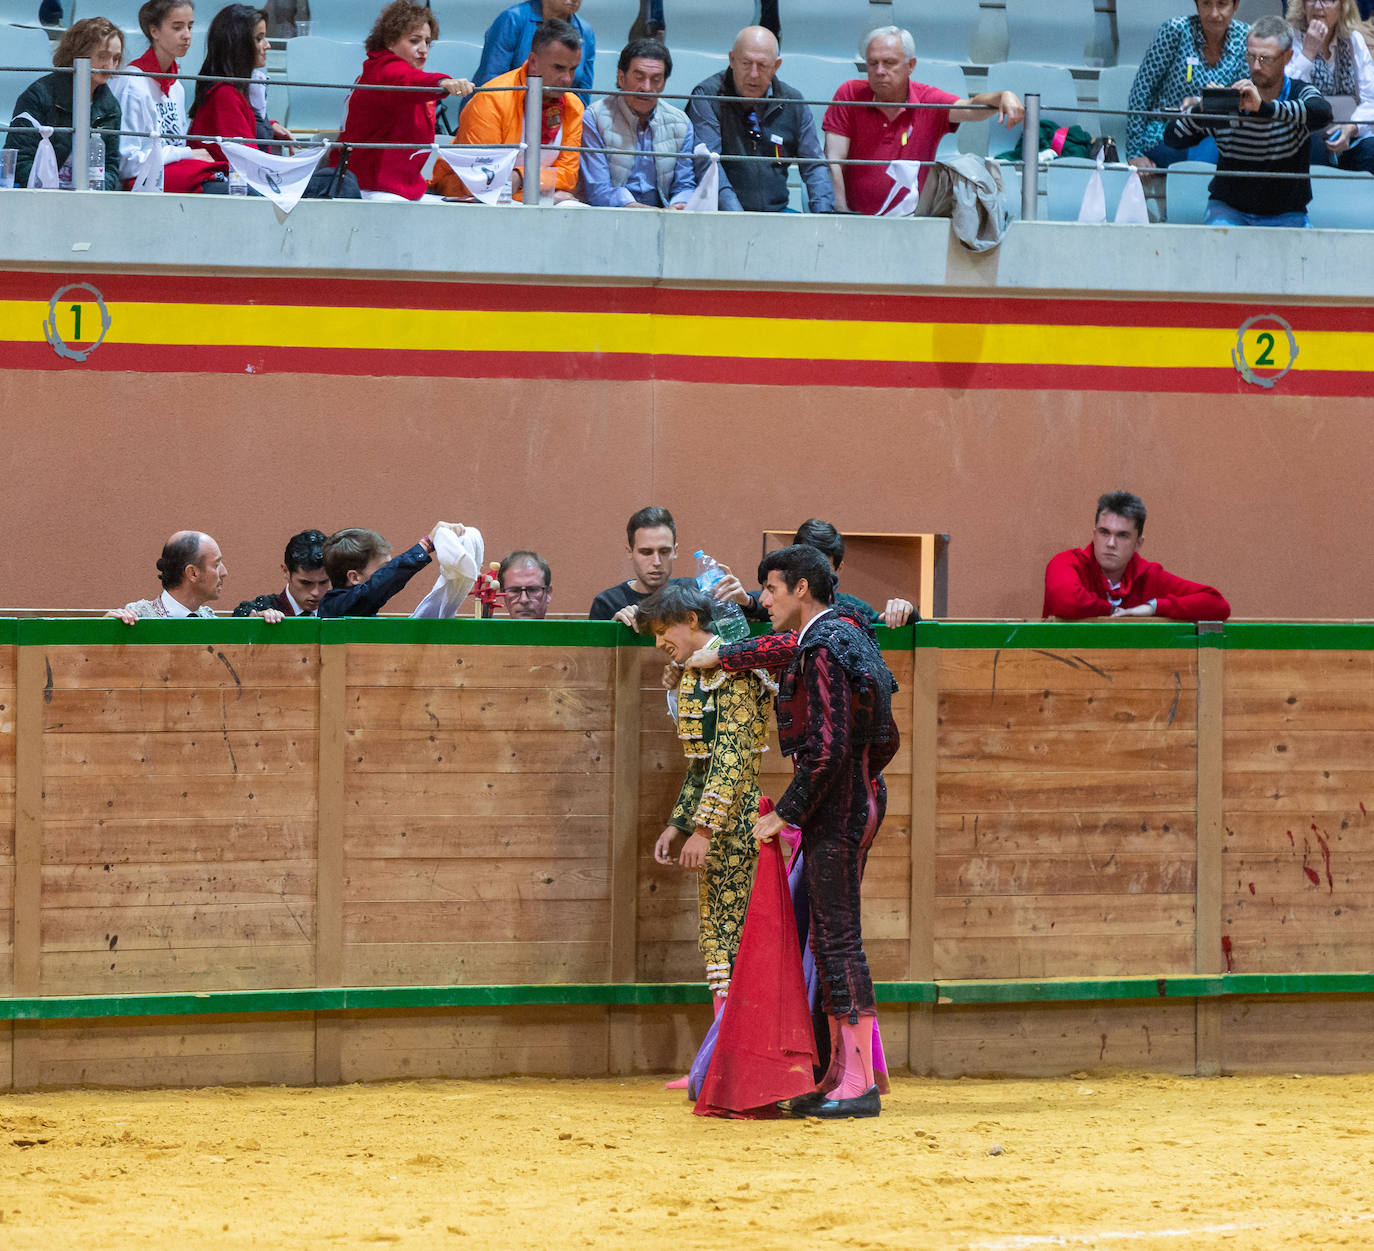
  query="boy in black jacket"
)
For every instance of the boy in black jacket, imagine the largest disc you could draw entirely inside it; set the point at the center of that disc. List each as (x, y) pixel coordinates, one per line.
(363, 574)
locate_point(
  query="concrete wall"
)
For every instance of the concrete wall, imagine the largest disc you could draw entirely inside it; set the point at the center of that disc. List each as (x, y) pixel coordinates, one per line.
(1247, 486)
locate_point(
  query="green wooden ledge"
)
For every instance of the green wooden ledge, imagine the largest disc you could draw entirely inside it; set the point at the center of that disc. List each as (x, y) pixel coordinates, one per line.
(1060, 638)
(647, 994)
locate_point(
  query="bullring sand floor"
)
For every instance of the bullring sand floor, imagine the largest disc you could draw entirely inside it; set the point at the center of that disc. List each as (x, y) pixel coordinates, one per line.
(1099, 1160)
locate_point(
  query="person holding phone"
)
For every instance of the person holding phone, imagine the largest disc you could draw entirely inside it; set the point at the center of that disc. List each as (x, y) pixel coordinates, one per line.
(1270, 133)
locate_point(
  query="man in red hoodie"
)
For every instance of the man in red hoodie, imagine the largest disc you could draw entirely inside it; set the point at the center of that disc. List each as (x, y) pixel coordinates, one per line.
(1109, 579)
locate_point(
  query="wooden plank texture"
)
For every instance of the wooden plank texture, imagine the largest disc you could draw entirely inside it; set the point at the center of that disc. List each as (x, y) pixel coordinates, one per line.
(146, 709)
(427, 666)
(1085, 670)
(228, 667)
(453, 709)
(479, 751)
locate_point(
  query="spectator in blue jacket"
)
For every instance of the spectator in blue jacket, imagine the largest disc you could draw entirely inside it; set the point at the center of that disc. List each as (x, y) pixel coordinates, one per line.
(507, 43)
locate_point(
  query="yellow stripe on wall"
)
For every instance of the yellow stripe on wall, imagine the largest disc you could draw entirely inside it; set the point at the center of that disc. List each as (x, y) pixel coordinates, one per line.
(680, 335)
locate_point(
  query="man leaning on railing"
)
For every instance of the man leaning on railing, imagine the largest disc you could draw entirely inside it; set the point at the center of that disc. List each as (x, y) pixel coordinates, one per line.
(892, 131)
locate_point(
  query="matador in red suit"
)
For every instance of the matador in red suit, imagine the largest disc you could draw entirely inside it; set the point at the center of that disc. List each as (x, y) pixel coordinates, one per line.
(834, 708)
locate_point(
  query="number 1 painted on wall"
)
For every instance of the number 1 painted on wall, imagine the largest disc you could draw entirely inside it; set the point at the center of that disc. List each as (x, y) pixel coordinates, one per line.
(76, 313)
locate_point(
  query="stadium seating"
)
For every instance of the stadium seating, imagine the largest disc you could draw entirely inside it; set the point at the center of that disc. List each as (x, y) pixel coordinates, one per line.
(454, 57)
(464, 21)
(1058, 102)
(607, 62)
(1185, 194)
(1050, 32)
(691, 68)
(1113, 92)
(344, 20)
(314, 60)
(943, 29)
(1066, 180)
(1136, 24)
(944, 75)
(815, 77)
(21, 46)
(1341, 200)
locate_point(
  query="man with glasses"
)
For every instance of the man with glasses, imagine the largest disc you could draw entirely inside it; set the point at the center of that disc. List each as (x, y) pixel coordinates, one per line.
(1270, 133)
(762, 119)
(526, 585)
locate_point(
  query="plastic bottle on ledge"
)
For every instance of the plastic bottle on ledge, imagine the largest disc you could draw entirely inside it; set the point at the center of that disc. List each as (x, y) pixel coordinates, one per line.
(728, 619)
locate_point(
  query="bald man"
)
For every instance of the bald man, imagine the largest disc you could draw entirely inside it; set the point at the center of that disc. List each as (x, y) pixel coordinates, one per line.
(762, 117)
(191, 570)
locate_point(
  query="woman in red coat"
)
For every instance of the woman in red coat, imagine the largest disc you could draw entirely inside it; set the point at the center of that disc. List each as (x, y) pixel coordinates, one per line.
(235, 45)
(397, 50)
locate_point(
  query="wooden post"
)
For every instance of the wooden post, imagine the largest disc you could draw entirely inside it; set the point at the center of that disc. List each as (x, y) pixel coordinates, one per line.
(1208, 956)
(329, 853)
(30, 680)
(924, 730)
(629, 667)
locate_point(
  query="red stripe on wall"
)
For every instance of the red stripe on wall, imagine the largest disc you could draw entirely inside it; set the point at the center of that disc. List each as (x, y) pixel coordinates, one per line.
(448, 295)
(115, 358)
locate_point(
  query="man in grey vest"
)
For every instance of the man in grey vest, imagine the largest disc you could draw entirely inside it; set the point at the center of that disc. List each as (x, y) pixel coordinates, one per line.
(660, 175)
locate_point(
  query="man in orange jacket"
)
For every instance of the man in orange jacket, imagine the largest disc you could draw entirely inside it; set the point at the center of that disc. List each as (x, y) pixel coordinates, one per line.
(495, 117)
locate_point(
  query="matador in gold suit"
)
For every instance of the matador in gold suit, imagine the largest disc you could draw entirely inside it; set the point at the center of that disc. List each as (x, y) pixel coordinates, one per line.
(722, 720)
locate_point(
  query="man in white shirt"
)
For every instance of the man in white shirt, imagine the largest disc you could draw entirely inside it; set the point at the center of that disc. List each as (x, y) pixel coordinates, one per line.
(191, 570)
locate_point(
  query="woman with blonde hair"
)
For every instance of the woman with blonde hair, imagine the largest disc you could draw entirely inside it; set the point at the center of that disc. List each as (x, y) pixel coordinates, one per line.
(48, 101)
(1330, 53)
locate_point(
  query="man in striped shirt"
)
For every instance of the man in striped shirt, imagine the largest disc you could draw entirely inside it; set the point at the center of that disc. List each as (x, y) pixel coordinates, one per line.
(1271, 133)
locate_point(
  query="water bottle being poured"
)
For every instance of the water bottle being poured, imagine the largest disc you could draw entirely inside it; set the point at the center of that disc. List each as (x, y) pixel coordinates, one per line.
(727, 618)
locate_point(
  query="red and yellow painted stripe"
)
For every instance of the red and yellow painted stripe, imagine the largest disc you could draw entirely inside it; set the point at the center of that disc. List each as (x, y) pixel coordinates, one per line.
(386, 328)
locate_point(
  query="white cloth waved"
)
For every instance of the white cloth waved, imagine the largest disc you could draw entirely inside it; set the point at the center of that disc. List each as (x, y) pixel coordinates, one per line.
(901, 200)
(460, 551)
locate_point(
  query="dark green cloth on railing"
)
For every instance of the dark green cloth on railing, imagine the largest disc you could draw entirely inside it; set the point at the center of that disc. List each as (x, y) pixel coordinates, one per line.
(1077, 142)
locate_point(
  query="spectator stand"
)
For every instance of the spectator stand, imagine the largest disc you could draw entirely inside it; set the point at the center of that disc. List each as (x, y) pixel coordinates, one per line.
(21, 46)
(1067, 179)
(1113, 92)
(1185, 191)
(1341, 199)
(944, 29)
(312, 59)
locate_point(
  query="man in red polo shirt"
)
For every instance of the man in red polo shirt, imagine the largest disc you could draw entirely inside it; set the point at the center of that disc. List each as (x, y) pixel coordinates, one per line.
(1108, 578)
(894, 132)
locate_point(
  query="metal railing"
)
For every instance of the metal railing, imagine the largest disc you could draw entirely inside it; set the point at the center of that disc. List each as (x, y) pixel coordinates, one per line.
(535, 147)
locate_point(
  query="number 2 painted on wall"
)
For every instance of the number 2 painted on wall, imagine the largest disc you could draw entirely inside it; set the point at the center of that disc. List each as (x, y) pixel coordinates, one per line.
(1266, 340)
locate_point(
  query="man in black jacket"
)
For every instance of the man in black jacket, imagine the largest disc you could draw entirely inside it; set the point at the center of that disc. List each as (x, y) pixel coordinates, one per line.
(306, 581)
(766, 121)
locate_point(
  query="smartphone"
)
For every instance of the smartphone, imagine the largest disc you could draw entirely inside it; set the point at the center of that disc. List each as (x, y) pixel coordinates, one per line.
(1219, 100)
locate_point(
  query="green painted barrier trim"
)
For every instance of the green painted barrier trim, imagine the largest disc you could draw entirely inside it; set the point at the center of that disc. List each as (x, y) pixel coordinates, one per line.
(1059, 636)
(1300, 636)
(1049, 636)
(1080, 990)
(647, 994)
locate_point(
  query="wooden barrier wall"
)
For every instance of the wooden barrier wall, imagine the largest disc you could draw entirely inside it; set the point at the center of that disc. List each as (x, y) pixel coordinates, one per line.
(1075, 811)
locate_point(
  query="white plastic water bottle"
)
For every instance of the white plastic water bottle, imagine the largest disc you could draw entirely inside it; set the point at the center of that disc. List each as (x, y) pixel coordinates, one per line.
(727, 619)
(95, 163)
(238, 184)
